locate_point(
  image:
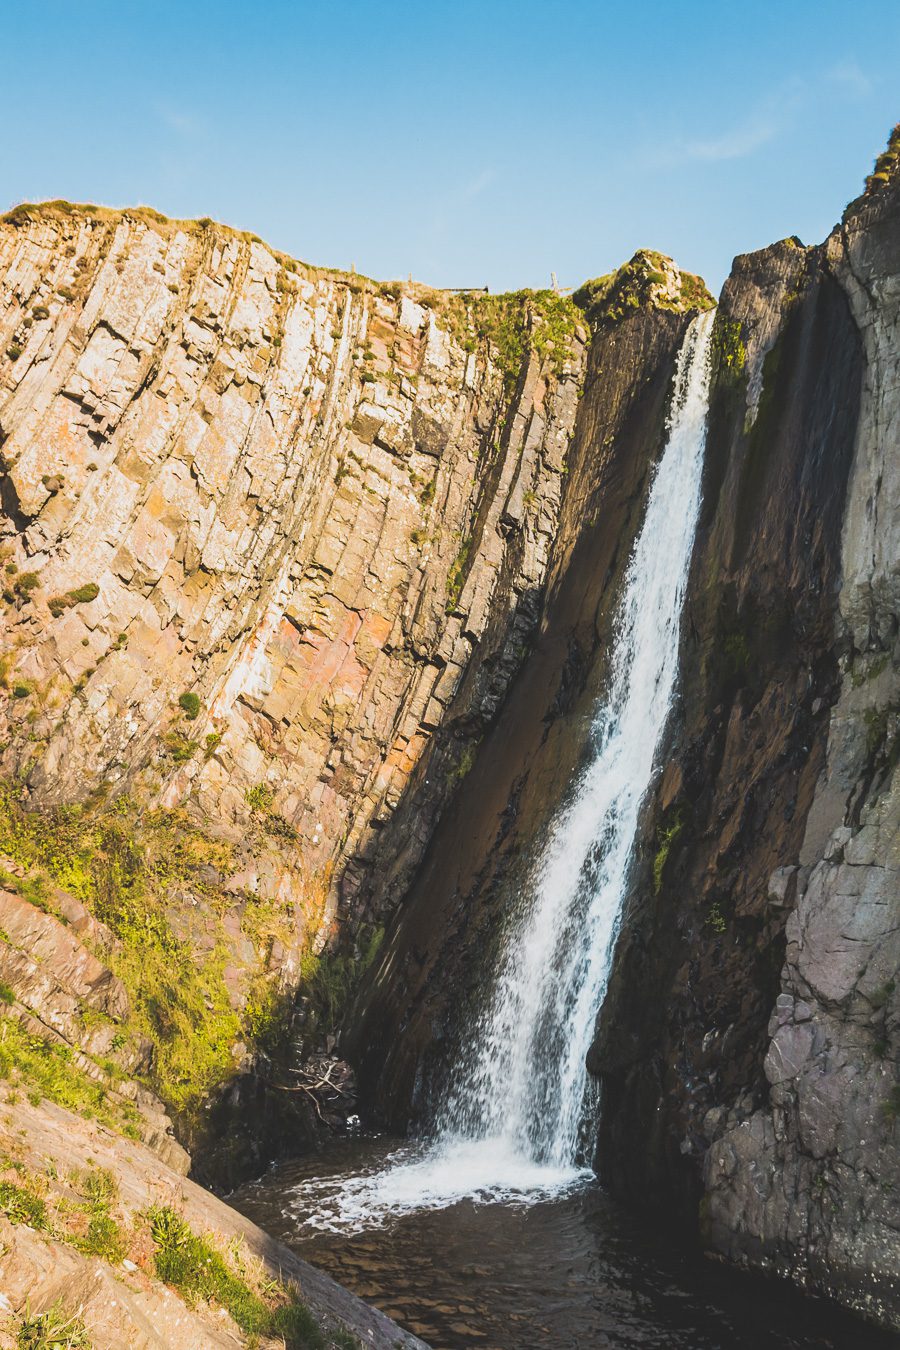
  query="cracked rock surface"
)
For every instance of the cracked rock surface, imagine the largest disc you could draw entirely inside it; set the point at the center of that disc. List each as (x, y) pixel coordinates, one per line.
(811, 1180)
(310, 504)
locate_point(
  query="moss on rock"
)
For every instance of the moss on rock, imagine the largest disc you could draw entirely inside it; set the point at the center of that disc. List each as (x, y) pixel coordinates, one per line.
(649, 278)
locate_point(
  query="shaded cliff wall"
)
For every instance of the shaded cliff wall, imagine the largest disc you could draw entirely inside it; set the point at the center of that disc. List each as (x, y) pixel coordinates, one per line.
(757, 1086)
(811, 1184)
(746, 744)
(438, 955)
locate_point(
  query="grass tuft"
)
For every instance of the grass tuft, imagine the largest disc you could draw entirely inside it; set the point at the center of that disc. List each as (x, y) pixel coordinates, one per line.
(198, 1271)
(48, 1070)
(189, 703)
(665, 839)
(22, 1206)
(53, 1330)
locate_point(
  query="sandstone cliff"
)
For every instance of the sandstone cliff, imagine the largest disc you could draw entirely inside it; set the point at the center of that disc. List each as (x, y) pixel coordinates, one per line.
(260, 523)
(434, 964)
(291, 495)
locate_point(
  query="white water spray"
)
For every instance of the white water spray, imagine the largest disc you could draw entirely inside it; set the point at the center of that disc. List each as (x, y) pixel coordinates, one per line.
(516, 1109)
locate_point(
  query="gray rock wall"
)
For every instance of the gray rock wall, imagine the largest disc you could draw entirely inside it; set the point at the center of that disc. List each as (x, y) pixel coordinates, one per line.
(810, 1183)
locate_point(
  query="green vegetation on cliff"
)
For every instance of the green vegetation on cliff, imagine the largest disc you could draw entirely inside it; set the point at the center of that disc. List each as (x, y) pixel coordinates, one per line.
(649, 278)
(666, 837)
(511, 325)
(158, 883)
(885, 173)
(51, 1330)
(522, 321)
(729, 352)
(198, 1271)
(40, 1069)
(887, 165)
(126, 866)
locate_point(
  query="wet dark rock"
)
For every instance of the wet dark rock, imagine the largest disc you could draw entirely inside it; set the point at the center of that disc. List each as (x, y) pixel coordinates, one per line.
(748, 1046)
(776, 920)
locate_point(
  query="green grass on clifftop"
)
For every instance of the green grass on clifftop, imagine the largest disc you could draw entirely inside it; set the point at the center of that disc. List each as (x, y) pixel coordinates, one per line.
(650, 279)
(522, 321)
(885, 173)
(887, 165)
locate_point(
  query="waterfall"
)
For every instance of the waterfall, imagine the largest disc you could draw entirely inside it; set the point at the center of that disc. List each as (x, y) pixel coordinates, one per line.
(524, 1077)
(515, 1112)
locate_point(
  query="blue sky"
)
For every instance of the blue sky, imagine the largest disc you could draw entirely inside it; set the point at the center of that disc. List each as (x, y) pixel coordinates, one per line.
(465, 143)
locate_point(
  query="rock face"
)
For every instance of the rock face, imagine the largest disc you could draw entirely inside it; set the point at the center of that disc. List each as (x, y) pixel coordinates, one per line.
(297, 499)
(65, 1001)
(812, 1180)
(52, 1160)
(331, 568)
(434, 963)
(757, 677)
(747, 1049)
(761, 1079)
(260, 524)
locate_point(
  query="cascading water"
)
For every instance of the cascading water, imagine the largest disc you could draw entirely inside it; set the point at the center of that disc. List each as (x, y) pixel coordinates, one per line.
(516, 1106)
(524, 1077)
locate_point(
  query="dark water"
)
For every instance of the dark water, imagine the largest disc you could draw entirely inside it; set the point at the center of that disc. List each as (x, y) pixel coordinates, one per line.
(571, 1271)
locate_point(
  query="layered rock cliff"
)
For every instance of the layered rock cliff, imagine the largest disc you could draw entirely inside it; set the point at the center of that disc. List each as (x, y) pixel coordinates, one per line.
(439, 956)
(309, 588)
(829, 1130)
(761, 1082)
(260, 524)
(289, 496)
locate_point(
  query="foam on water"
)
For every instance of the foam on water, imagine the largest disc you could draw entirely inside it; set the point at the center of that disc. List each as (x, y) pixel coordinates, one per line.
(428, 1176)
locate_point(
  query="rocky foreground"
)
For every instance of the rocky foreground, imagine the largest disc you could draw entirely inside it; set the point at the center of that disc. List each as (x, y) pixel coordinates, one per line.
(104, 1245)
(104, 1239)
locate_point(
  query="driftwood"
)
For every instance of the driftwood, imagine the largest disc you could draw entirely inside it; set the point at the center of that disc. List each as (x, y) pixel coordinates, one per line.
(315, 1080)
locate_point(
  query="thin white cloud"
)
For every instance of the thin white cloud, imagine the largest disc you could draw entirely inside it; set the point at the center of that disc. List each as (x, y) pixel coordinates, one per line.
(769, 119)
(474, 188)
(761, 124)
(187, 144)
(447, 209)
(851, 79)
(737, 143)
(183, 123)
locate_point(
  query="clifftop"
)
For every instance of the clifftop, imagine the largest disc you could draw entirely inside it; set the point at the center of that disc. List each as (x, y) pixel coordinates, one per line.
(648, 278)
(887, 165)
(886, 174)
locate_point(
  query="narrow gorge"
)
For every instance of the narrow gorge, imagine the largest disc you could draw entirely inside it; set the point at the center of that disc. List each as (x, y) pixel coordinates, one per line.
(469, 717)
